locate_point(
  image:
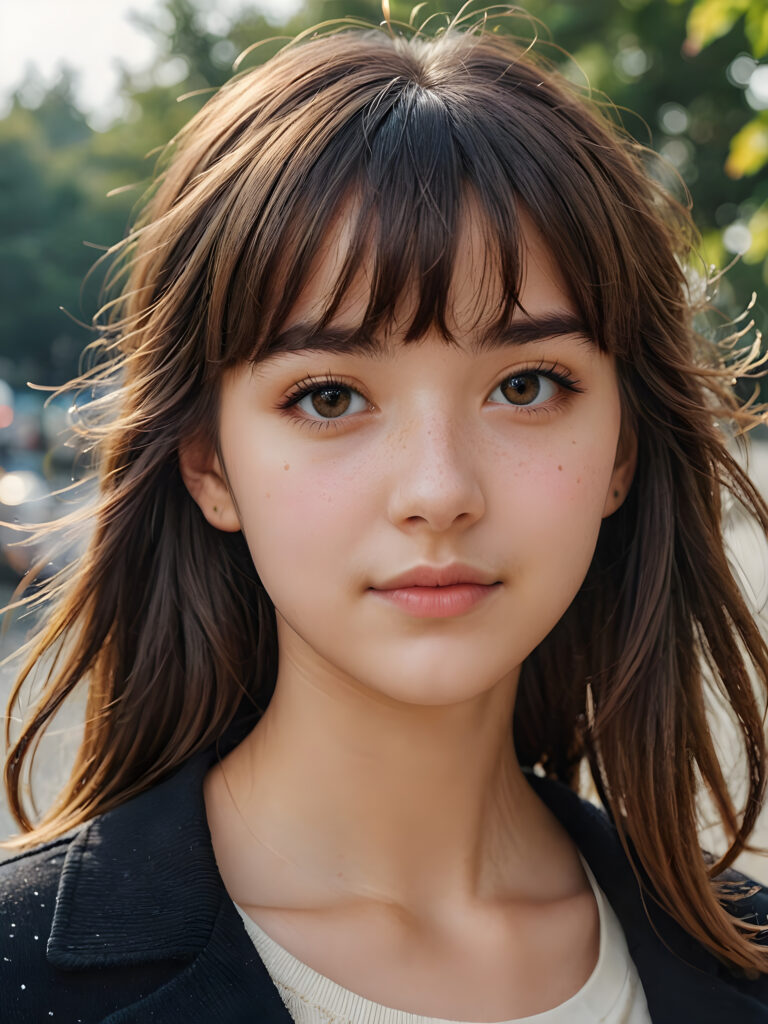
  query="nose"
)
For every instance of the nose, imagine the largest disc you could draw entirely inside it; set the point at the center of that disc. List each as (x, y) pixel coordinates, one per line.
(435, 477)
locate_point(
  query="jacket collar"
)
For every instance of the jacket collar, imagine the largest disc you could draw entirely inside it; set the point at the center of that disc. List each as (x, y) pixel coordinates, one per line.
(140, 885)
(150, 856)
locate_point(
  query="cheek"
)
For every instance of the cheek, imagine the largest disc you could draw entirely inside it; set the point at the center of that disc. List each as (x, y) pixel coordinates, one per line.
(561, 479)
(581, 480)
(553, 501)
(298, 516)
(579, 468)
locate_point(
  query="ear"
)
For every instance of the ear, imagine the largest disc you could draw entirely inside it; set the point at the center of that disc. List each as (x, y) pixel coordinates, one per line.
(204, 478)
(623, 469)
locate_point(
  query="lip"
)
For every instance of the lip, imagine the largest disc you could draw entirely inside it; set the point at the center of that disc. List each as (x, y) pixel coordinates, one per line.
(438, 576)
(438, 592)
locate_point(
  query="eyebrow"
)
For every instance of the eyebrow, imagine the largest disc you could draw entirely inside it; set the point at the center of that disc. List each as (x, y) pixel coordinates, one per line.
(304, 337)
(528, 329)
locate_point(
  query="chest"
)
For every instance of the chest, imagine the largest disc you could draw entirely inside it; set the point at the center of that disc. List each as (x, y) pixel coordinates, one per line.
(496, 964)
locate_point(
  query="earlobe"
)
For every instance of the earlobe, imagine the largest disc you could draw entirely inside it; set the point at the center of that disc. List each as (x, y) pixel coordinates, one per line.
(623, 471)
(204, 478)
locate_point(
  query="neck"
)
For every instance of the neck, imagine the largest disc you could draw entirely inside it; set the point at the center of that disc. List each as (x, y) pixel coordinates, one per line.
(368, 797)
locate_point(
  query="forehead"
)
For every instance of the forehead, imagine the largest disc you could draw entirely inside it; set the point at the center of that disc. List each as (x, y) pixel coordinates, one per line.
(476, 294)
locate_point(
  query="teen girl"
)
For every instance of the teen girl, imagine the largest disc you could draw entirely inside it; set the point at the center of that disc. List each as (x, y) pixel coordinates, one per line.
(411, 505)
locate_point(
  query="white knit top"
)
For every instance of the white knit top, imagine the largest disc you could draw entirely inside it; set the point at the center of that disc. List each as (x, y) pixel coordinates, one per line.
(611, 995)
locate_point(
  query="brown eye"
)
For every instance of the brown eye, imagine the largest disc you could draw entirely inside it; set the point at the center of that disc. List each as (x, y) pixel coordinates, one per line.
(331, 402)
(522, 389)
(529, 389)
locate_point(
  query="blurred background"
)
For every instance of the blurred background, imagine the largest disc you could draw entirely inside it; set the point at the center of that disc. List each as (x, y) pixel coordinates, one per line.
(89, 91)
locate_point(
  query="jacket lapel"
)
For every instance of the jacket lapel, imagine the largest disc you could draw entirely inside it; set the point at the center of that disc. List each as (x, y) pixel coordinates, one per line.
(140, 885)
(122, 897)
(227, 981)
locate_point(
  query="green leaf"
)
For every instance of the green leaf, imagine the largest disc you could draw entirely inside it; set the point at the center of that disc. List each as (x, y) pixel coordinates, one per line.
(758, 228)
(710, 19)
(749, 148)
(756, 27)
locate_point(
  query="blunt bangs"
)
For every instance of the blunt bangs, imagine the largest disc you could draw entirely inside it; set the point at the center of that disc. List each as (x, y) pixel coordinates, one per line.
(400, 137)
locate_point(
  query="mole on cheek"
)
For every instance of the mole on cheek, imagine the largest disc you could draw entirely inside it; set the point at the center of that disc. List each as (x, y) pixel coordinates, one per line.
(286, 466)
(560, 468)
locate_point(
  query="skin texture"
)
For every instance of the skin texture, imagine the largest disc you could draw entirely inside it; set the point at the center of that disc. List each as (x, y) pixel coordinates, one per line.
(376, 822)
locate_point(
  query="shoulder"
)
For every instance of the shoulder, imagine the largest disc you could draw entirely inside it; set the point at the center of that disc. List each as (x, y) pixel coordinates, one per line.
(118, 912)
(653, 935)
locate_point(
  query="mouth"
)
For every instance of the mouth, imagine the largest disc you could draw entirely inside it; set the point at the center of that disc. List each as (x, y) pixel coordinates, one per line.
(454, 574)
(438, 592)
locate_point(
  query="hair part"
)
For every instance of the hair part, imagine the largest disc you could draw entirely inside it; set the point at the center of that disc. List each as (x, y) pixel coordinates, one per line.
(165, 619)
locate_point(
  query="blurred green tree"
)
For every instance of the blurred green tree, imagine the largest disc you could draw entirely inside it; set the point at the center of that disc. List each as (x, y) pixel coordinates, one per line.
(711, 20)
(47, 210)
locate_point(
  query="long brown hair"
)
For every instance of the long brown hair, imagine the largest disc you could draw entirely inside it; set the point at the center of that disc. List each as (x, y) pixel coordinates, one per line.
(164, 619)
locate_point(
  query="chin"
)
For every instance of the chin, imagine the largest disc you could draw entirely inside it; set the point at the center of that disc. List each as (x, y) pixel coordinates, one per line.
(431, 686)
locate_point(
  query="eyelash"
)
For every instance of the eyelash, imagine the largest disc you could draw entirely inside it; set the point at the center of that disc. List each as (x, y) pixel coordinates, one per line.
(307, 385)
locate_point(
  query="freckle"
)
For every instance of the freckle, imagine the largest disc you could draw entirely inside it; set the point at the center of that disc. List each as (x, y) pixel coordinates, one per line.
(573, 442)
(286, 466)
(578, 479)
(560, 468)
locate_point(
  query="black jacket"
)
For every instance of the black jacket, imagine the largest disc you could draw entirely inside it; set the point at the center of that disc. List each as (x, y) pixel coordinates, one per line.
(127, 920)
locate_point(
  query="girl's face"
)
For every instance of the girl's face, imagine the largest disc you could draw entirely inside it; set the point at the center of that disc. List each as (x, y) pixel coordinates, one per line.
(494, 461)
